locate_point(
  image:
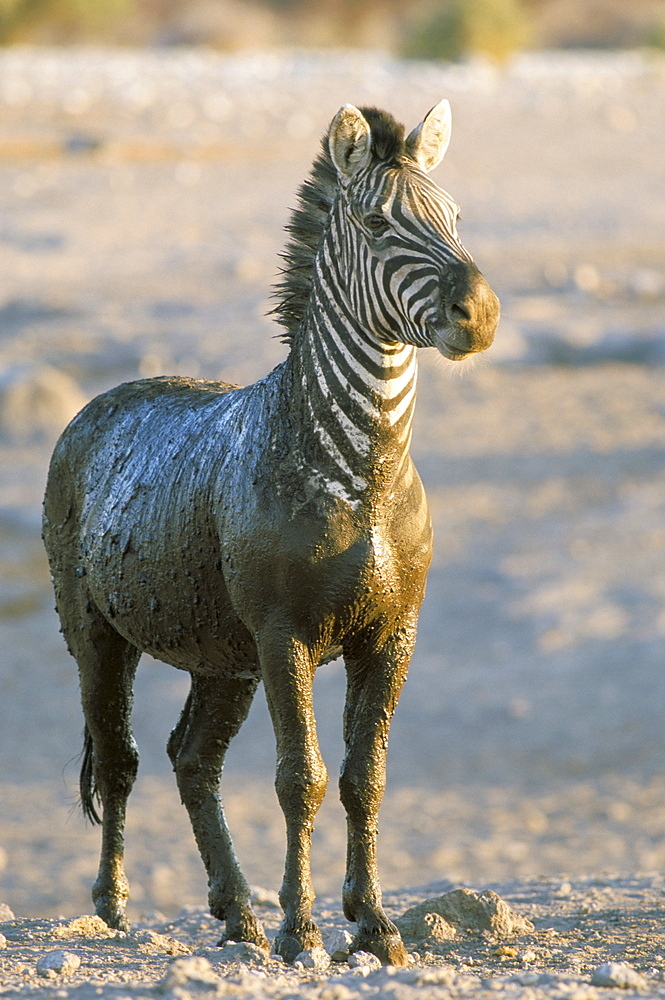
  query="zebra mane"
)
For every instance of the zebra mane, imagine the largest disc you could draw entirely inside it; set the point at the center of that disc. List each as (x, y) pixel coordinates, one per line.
(309, 218)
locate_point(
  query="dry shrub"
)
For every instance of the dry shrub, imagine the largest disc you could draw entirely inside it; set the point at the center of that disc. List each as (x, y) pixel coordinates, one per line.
(495, 28)
(62, 20)
(654, 34)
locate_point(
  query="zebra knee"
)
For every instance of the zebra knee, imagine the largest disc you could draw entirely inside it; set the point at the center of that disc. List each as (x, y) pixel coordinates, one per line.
(361, 792)
(301, 787)
(115, 772)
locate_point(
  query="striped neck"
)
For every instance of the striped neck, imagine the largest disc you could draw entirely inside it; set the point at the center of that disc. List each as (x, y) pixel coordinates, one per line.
(355, 396)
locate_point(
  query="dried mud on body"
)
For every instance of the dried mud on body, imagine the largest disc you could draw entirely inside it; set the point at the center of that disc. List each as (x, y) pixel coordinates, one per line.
(143, 197)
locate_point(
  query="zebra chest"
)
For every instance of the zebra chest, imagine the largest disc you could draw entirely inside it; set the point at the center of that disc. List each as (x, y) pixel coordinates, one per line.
(321, 573)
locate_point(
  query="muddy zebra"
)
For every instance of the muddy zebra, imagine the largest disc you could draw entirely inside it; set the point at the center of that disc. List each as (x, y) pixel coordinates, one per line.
(248, 534)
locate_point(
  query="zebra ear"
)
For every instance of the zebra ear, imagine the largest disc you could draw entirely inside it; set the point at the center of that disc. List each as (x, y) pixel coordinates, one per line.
(428, 142)
(349, 141)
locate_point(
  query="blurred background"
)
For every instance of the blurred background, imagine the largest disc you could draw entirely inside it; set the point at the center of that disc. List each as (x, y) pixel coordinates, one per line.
(149, 153)
(429, 29)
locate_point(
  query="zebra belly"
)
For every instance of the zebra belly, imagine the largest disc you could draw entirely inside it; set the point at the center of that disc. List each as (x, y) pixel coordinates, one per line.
(169, 600)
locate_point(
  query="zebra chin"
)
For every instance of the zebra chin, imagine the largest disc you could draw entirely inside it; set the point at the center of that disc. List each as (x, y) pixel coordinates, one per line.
(455, 347)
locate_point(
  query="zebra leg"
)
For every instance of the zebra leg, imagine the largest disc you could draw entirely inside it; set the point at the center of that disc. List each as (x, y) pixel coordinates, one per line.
(375, 680)
(107, 664)
(212, 715)
(300, 782)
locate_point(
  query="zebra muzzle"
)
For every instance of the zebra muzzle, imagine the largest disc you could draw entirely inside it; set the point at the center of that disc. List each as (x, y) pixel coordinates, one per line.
(471, 317)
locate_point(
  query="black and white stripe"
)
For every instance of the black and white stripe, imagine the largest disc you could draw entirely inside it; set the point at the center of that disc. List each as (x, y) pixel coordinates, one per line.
(374, 301)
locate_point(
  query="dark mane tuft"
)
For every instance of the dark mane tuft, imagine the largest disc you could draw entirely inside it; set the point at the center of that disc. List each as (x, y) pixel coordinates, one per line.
(387, 135)
(308, 220)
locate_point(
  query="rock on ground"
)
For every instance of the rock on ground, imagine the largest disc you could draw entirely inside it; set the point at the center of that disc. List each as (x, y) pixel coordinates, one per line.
(439, 919)
(600, 934)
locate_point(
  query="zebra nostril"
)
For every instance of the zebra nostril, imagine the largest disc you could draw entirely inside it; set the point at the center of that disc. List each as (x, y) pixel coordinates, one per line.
(458, 313)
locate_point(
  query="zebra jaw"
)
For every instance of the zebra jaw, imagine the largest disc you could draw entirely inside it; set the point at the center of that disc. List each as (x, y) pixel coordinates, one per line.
(452, 355)
(446, 345)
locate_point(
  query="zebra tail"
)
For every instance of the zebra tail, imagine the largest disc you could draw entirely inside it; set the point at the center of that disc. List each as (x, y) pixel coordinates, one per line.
(87, 786)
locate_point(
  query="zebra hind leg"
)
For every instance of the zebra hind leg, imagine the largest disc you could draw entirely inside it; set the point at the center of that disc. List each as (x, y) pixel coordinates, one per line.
(107, 664)
(212, 715)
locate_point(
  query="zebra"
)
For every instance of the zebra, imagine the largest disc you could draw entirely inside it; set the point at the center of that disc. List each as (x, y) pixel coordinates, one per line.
(248, 534)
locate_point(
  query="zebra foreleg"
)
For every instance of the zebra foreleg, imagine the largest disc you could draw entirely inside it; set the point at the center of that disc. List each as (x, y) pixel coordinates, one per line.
(300, 783)
(212, 715)
(375, 680)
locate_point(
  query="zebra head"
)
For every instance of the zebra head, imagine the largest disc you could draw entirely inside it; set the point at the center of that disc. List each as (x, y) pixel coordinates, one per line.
(408, 277)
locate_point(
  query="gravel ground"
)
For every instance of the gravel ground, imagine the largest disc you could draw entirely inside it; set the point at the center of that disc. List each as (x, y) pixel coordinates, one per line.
(143, 196)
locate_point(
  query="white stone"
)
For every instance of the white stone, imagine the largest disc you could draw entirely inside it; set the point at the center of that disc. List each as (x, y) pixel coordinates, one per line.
(527, 978)
(241, 951)
(185, 971)
(618, 974)
(313, 958)
(337, 943)
(364, 959)
(58, 962)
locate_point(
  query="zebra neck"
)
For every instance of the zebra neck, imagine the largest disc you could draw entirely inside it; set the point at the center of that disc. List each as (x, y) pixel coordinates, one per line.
(355, 399)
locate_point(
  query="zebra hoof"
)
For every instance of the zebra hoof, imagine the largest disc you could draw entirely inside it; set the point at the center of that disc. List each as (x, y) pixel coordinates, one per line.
(289, 944)
(112, 914)
(388, 948)
(258, 940)
(243, 926)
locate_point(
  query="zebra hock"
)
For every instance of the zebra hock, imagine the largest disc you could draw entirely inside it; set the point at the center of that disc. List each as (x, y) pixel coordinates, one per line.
(251, 534)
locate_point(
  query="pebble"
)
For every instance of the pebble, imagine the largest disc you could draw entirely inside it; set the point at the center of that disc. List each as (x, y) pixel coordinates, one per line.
(152, 943)
(364, 960)
(313, 958)
(618, 974)
(527, 978)
(186, 971)
(242, 951)
(442, 976)
(3, 941)
(337, 943)
(58, 962)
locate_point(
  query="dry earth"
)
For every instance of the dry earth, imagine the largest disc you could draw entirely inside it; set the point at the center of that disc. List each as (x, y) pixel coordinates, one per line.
(142, 199)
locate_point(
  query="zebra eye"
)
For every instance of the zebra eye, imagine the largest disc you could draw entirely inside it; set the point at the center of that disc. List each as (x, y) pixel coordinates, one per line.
(376, 224)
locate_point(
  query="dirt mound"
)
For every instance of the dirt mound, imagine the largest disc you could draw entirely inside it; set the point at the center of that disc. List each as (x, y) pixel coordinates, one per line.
(440, 919)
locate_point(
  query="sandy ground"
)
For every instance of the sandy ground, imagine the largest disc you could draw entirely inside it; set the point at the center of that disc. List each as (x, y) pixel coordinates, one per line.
(143, 198)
